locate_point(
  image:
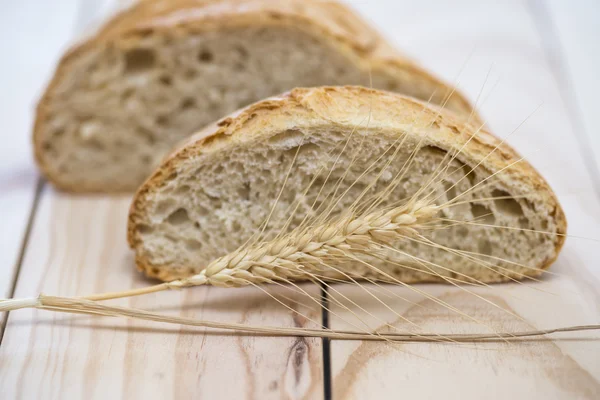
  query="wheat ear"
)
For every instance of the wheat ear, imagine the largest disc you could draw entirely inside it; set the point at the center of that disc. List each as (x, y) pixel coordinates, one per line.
(320, 251)
(300, 254)
(302, 251)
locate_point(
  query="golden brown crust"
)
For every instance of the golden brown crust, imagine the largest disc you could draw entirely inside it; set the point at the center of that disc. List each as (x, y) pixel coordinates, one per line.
(338, 105)
(328, 20)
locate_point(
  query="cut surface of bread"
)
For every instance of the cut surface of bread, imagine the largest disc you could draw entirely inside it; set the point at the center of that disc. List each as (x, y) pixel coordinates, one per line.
(162, 69)
(213, 193)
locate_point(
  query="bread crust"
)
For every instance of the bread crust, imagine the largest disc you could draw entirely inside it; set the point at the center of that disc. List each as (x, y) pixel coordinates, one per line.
(327, 20)
(337, 105)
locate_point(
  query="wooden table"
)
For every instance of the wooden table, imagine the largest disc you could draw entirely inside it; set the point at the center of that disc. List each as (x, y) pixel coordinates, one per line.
(540, 52)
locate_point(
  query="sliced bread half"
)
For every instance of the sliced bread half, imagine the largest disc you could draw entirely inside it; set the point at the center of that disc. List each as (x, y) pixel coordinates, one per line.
(162, 69)
(497, 218)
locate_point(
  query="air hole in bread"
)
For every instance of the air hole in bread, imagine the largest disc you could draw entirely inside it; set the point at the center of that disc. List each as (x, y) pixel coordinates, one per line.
(318, 204)
(190, 74)
(242, 56)
(172, 176)
(193, 245)
(201, 211)
(241, 51)
(460, 170)
(127, 95)
(139, 60)
(205, 56)
(163, 206)
(215, 201)
(147, 135)
(450, 190)
(482, 214)
(183, 189)
(289, 139)
(58, 133)
(178, 217)
(244, 191)
(144, 229)
(469, 173)
(94, 144)
(47, 146)
(485, 247)
(187, 103)
(165, 80)
(433, 149)
(162, 120)
(507, 206)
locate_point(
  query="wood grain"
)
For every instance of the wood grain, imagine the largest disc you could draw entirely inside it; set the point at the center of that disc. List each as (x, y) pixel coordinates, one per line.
(474, 36)
(77, 247)
(564, 368)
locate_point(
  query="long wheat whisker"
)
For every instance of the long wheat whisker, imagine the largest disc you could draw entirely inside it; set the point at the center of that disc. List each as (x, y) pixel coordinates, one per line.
(425, 263)
(477, 105)
(427, 295)
(340, 317)
(521, 229)
(512, 164)
(287, 176)
(482, 199)
(401, 317)
(493, 150)
(487, 265)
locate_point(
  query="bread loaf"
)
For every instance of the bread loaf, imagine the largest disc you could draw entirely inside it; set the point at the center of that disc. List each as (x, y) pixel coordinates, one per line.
(213, 193)
(162, 69)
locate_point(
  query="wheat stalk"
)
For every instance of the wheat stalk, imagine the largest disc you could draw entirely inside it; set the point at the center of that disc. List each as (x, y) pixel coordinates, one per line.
(320, 250)
(302, 251)
(84, 306)
(300, 254)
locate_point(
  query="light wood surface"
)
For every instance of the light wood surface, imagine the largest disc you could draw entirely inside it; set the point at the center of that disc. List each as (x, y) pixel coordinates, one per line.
(77, 243)
(573, 31)
(77, 247)
(26, 65)
(502, 35)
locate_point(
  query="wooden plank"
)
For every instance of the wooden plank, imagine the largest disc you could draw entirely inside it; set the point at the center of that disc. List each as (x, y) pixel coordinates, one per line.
(572, 33)
(35, 35)
(529, 370)
(472, 35)
(78, 246)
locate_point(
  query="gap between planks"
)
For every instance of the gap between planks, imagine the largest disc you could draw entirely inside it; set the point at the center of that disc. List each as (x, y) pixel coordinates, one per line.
(555, 56)
(17, 268)
(326, 344)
